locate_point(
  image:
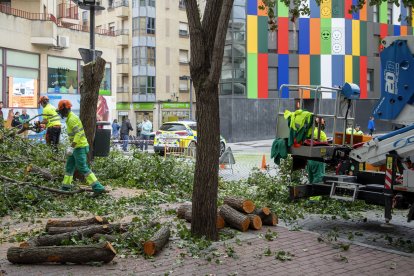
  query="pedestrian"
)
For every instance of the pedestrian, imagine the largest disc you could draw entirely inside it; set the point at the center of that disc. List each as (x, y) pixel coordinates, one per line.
(1, 115)
(146, 128)
(371, 125)
(115, 129)
(24, 118)
(77, 153)
(16, 119)
(52, 121)
(125, 129)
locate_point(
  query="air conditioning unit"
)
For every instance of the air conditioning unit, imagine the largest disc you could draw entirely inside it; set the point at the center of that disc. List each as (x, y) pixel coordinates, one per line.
(63, 41)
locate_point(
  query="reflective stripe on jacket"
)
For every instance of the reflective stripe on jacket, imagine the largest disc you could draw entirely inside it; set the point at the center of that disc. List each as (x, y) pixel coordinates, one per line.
(75, 131)
(52, 117)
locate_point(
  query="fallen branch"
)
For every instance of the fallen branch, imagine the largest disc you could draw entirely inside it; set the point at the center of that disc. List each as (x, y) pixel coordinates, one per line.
(78, 254)
(45, 174)
(76, 223)
(157, 241)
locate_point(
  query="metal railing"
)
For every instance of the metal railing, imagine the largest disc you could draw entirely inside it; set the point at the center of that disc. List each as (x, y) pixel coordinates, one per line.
(68, 11)
(122, 32)
(50, 17)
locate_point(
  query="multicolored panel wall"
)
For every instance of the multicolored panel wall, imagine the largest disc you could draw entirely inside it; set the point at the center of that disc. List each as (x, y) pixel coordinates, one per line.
(332, 45)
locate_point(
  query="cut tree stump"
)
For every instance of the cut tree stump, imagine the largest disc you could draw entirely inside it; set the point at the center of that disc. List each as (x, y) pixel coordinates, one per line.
(185, 212)
(240, 204)
(78, 254)
(182, 210)
(76, 223)
(262, 211)
(49, 240)
(255, 222)
(234, 218)
(157, 241)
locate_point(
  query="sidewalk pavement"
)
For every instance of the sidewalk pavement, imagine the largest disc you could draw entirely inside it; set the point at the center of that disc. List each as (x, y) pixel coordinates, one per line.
(310, 257)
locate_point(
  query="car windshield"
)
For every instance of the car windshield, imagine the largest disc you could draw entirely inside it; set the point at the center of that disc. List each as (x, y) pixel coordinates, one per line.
(193, 127)
(172, 127)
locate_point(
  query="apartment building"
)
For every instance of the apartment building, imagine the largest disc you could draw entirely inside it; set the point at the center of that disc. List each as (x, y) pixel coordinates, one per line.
(152, 44)
(39, 55)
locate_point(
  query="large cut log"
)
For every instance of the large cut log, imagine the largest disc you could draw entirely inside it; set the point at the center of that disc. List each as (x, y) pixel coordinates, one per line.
(234, 218)
(123, 236)
(185, 212)
(240, 204)
(49, 240)
(182, 210)
(265, 211)
(78, 254)
(44, 173)
(157, 241)
(76, 223)
(270, 220)
(255, 222)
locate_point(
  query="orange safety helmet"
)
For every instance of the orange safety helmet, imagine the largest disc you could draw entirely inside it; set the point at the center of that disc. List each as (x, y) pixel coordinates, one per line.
(64, 104)
(43, 98)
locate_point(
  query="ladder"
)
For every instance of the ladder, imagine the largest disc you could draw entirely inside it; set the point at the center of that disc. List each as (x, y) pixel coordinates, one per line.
(352, 187)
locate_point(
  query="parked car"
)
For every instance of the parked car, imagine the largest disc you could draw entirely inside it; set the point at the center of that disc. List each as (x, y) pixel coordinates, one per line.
(179, 134)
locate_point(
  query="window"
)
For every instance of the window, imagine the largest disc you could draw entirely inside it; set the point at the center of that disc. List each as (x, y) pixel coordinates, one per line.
(183, 29)
(111, 27)
(375, 14)
(151, 3)
(143, 56)
(389, 15)
(143, 84)
(370, 80)
(183, 56)
(181, 5)
(5, 3)
(62, 75)
(150, 25)
(142, 3)
(183, 84)
(110, 4)
(151, 85)
(225, 89)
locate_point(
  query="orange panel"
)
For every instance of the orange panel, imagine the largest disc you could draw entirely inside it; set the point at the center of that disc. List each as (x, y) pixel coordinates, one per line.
(260, 11)
(404, 31)
(304, 73)
(315, 36)
(363, 13)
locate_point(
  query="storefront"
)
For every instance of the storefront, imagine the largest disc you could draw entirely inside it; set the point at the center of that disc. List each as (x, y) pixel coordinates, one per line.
(175, 112)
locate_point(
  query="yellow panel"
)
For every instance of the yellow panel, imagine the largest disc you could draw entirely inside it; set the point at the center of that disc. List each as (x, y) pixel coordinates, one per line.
(356, 44)
(326, 9)
(252, 34)
(348, 68)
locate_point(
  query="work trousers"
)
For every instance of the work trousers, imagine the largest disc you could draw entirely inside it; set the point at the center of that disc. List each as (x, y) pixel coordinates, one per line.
(79, 160)
(52, 136)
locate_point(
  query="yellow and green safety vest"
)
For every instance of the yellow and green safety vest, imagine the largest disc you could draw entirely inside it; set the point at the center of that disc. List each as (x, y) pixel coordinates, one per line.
(52, 117)
(75, 131)
(322, 135)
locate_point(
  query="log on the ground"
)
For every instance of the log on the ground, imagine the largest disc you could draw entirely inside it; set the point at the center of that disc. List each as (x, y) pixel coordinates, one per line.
(265, 211)
(255, 222)
(234, 218)
(49, 240)
(76, 223)
(240, 204)
(157, 241)
(79, 254)
(219, 222)
(44, 173)
(182, 210)
(270, 220)
(123, 236)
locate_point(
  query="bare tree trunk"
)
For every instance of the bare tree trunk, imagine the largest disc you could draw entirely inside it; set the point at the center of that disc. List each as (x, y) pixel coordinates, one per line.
(92, 77)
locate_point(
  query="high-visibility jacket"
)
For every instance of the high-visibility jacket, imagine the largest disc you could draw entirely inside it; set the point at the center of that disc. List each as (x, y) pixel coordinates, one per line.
(52, 117)
(356, 132)
(75, 131)
(322, 137)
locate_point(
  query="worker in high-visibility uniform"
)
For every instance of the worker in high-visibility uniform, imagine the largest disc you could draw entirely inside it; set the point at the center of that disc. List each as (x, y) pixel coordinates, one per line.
(316, 169)
(52, 121)
(77, 153)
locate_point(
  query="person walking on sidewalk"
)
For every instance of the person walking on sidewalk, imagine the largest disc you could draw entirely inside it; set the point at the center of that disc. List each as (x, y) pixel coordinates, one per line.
(77, 153)
(52, 121)
(125, 129)
(115, 129)
(371, 125)
(24, 118)
(146, 128)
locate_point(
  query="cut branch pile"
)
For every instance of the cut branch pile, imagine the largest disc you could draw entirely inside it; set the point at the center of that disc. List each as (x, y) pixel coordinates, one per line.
(238, 213)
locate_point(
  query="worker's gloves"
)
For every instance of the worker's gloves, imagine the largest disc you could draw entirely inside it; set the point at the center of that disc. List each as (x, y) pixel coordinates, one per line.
(69, 151)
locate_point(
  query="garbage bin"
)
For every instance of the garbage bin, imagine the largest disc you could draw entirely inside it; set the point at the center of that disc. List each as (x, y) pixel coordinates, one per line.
(102, 142)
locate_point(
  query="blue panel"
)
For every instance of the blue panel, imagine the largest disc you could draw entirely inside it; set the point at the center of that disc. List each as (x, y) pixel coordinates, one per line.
(252, 7)
(315, 9)
(304, 37)
(283, 74)
(397, 71)
(403, 15)
(338, 70)
(397, 30)
(348, 37)
(355, 15)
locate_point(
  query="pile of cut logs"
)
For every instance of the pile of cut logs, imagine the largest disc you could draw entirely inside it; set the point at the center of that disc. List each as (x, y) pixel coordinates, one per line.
(48, 248)
(238, 213)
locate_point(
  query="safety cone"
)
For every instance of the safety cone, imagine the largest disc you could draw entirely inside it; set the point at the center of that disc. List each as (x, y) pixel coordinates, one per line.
(264, 166)
(222, 166)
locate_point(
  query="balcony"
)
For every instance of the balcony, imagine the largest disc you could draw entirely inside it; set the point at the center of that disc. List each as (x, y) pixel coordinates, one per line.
(122, 8)
(122, 89)
(122, 37)
(123, 98)
(122, 66)
(68, 13)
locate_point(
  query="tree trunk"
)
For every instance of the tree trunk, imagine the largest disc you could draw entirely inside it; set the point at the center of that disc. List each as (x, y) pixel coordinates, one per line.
(265, 211)
(240, 204)
(49, 240)
(157, 241)
(255, 222)
(76, 223)
(89, 89)
(234, 219)
(78, 254)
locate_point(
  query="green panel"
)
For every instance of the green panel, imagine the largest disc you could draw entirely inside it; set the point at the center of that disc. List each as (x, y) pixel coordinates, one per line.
(262, 25)
(315, 71)
(363, 38)
(252, 76)
(338, 9)
(325, 36)
(175, 105)
(122, 106)
(383, 12)
(282, 9)
(143, 106)
(355, 70)
(104, 92)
